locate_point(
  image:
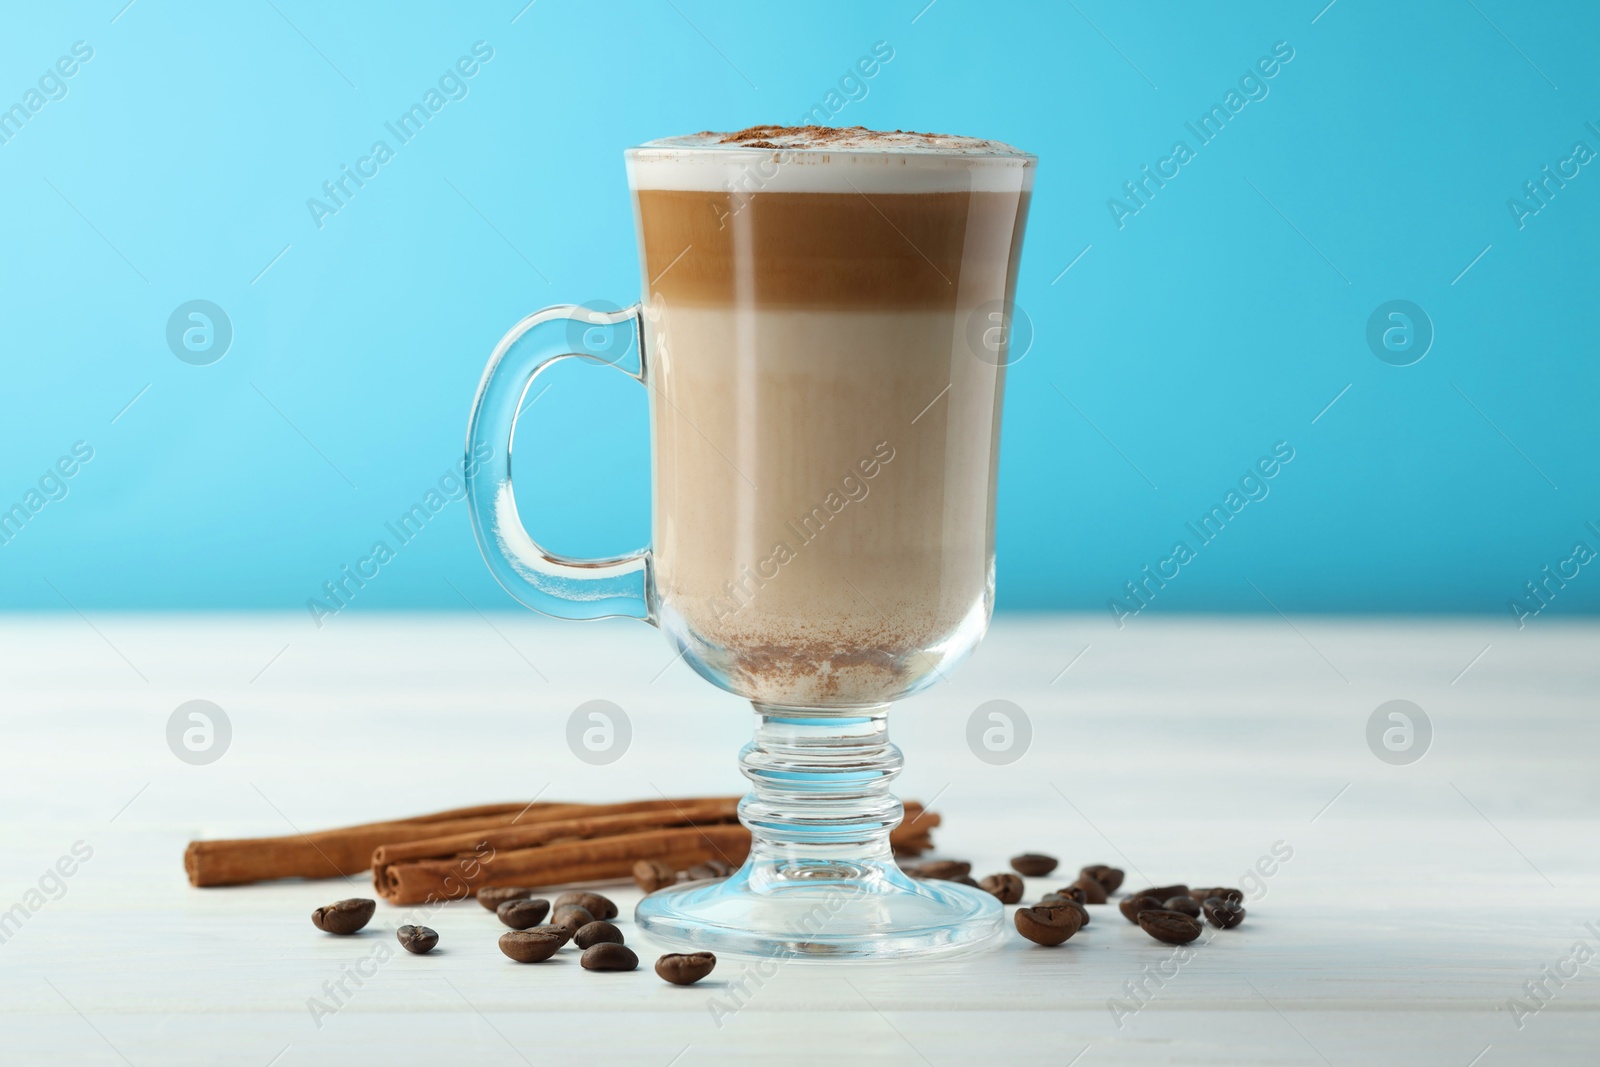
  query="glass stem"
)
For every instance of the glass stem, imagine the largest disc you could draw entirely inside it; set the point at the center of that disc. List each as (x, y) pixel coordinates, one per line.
(820, 805)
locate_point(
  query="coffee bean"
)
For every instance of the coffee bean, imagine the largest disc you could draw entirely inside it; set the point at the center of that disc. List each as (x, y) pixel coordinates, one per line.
(1162, 892)
(1224, 914)
(939, 870)
(1071, 892)
(709, 869)
(609, 956)
(1093, 891)
(1173, 927)
(493, 896)
(1057, 898)
(1218, 893)
(1033, 864)
(1132, 906)
(1188, 905)
(651, 875)
(1048, 924)
(1006, 887)
(521, 914)
(417, 939)
(572, 916)
(531, 946)
(599, 906)
(344, 916)
(685, 968)
(561, 933)
(598, 932)
(1109, 877)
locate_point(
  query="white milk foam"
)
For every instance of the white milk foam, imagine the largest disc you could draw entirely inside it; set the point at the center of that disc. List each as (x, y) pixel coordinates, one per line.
(841, 162)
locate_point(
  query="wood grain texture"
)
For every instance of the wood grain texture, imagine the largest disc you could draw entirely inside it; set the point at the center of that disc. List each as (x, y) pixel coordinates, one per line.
(1417, 902)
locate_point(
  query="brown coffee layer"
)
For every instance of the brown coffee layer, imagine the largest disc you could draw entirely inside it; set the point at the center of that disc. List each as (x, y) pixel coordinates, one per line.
(833, 250)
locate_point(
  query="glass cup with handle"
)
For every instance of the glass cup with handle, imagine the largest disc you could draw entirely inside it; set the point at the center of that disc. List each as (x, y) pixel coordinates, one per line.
(824, 333)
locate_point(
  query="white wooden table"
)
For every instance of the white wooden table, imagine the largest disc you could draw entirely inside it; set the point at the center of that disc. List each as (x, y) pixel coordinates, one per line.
(1418, 900)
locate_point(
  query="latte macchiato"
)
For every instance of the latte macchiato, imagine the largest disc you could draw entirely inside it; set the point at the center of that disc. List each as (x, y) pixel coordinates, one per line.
(826, 322)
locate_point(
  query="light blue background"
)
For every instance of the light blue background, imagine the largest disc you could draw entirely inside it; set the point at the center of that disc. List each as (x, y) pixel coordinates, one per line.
(1222, 318)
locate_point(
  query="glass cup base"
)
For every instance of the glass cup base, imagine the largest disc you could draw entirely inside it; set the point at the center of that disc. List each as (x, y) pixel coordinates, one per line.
(822, 910)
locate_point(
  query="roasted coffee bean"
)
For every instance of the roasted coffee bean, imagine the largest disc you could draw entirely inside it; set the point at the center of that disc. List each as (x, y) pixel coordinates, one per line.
(1219, 893)
(709, 869)
(1162, 892)
(1224, 914)
(572, 917)
(1048, 924)
(1132, 906)
(344, 916)
(609, 956)
(651, 875)
(599, 906)
(1093, 891)
(493, 896)
(417, 939)
(685, 968)
(1173, 927)
(1057, 898)
(598, 932)
(531, 946)
(1110, 877)
(1188, 905)
(1006, 887)
(940, 870)
(1033, 864)
(1071, 892)
(521, 914)
(550, 930)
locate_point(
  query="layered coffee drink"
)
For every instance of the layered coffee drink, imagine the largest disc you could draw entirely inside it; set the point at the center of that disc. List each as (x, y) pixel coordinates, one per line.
(827, 315)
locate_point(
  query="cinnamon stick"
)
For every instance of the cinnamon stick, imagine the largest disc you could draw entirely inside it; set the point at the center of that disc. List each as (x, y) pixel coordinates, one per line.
(491, 842)
(348, 850)
(426, 880)
(462, 836)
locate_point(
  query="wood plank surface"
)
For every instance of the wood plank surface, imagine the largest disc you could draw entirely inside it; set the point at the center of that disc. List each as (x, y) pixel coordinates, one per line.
(1415, 904)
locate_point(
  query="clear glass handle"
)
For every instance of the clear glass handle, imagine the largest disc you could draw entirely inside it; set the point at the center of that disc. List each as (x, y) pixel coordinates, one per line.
(552, 584)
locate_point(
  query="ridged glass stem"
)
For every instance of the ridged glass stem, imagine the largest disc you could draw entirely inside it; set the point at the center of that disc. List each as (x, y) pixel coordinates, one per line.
(821, 805)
